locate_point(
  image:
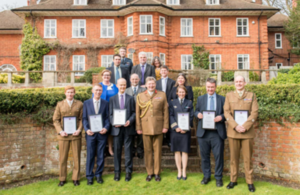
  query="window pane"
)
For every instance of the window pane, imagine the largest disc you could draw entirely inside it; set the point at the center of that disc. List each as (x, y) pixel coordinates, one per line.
(148, 28)
(110, 23)
(143, 28)
(143, 19)
(110, 32)
(217, 22)
(82, 33)
(217, 31)
(211, 31)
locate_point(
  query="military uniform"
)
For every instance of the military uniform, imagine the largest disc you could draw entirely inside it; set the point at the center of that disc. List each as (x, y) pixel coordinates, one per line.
(152, 116)
(63, 109)
(245, 101)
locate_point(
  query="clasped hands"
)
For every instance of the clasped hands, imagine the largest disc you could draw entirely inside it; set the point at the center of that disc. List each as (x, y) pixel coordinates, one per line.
(64, 134)
(90, 133)
(126, 124)
(240, 129)
(178, 130)
(164, 130)
(217, 119)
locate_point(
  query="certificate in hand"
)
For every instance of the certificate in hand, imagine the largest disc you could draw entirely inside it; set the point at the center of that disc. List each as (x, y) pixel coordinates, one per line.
(70, 124)
(119, 117)
(95, 122)
(241, 116)
(183, 120)
(208, 120)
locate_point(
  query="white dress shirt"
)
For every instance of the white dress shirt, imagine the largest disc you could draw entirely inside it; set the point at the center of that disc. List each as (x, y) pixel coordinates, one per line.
(164, 84)
(136, 88)
(70, 102)
(150, 93)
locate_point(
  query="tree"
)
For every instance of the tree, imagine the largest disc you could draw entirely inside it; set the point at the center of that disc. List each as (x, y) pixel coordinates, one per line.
(286, 6)
(9, 6)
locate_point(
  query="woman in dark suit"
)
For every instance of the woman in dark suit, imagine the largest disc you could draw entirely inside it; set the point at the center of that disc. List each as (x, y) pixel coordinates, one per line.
(182, 81)
(180, 139)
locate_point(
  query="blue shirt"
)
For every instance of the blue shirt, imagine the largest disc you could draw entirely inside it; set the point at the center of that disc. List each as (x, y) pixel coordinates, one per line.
(108, 91)
(208, 101)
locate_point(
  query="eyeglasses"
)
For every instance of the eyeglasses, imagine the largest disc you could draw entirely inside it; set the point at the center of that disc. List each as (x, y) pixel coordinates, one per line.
(106, 75)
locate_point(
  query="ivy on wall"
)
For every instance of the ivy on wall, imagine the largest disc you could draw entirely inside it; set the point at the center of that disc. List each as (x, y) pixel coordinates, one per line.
(200, 57)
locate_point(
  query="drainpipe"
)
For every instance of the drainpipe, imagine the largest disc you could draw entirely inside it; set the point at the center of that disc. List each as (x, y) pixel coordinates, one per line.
(259, 43)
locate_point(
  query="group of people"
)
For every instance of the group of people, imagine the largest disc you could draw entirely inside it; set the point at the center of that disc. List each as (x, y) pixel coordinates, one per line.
(152, 107)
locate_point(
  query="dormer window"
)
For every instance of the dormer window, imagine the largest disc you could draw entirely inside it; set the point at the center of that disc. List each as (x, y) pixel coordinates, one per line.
(80, 2)
(119, 2)
(173, 2)
(212, 2)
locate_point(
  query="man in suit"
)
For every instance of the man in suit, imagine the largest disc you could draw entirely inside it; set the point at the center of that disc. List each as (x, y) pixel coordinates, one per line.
(117, 71)
(134, 90)
(165, 84)
(95, 141)
(152, 120)
(143, 69)
(68, 107)
(241, 136)
(211, 139)
(122, 133)
(125, 62)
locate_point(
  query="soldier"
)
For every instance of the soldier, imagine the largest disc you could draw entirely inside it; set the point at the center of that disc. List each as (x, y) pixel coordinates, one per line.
(152, 120)
(240, 135)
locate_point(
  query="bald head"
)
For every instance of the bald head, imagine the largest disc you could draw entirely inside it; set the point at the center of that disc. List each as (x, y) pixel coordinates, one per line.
(240, 77)
(121, 84)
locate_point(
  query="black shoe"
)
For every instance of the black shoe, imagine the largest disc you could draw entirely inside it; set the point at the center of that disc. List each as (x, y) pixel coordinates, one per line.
(157, 178)
(149, 177)
(90, 181)
(76, 183)
(231, 185)
(178, 178)
(184, 178)
(251, 187)
(99, 180)
(219, 182)
(128, 177)
(62, 183)
(205, 180)
(140, 155)
(133, 155)
(117, 177)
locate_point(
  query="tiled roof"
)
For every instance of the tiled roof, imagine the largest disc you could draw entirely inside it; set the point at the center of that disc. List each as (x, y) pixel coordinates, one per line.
(278, 20)
(10, 21)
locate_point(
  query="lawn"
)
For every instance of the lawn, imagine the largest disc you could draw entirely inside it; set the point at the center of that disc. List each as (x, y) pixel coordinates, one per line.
(138, 185)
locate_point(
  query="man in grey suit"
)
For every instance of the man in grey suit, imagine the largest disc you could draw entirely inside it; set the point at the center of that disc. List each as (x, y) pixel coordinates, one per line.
(134, 90)
(143, 69)
(117, 71)
(122, 133)
(125, 62)
(211, 139)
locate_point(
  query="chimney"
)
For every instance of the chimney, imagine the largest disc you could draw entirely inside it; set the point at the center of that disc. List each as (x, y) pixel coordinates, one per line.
(31, 2)
(255, 1)
(295, 3)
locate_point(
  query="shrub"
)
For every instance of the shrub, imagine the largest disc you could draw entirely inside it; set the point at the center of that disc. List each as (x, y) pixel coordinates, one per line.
(286, 70)
(253, 76)
(228, 76)
(292, 77)
(15, 78)
(88, 75)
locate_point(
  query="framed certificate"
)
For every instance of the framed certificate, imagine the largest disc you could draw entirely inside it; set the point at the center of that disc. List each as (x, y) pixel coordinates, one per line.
(208, 120)
(95, 122)
(241, 116)
(183, 120)
(119, 117)
(70, 124)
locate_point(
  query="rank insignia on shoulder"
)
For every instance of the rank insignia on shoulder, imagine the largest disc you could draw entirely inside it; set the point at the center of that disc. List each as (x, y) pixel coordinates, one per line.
(175, 106)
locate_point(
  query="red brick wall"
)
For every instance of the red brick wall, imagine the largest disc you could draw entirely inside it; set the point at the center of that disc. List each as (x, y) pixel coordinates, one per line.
(10, 49)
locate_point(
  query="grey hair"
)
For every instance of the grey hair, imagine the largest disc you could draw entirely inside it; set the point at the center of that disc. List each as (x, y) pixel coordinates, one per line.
(211, 80)
(142, 53)
(240, 76)
(134, 74)
(150, 79)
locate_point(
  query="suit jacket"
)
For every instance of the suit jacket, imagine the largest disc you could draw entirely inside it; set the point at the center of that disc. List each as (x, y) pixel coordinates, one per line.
(129, 91)
(63, 109)
(88, 109)
(155, 117)
(125, 75)
(125, 63)
(130, 114)
(149, 72)
(175, 107)
(202, 105)
(189, 95)
(170, 85)
(233, 102)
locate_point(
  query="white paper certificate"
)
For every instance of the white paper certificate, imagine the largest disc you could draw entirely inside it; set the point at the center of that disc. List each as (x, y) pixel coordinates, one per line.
(119, 117)
(70, 125)
(183, 120)
(208, 120)
(96, 124)
(240, 116)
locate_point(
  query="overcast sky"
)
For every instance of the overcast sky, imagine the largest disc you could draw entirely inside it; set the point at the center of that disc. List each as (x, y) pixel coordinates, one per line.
(17, 3)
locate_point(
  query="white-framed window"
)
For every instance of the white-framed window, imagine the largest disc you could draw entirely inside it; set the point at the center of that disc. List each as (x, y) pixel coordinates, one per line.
(119, 2)
(78, 28)
(214, 62)
(243, 61)
(173, 2)
(50, 28)
(80, 2)
(242, 25)
(146, 26)
(162, 26)
(79, 64)
(149, 57)
(187, 62)
(212, 2)
(7, 67)
(186, 27)
(278, 65)
(162, 58)
(130, 56)
(214, 27)
(106, 60)
(278, 41)
(129, 26)
(107, 28)
(49, 62)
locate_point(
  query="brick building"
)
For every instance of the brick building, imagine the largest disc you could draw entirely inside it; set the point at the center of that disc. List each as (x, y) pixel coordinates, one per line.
(235, 32)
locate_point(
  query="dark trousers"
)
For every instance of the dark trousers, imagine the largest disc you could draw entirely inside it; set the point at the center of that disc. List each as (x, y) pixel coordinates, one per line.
(211, 141)
(123, 137)
(139, 144)
(95, 145)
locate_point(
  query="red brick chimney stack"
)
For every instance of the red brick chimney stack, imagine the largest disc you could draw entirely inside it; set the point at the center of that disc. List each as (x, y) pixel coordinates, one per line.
(31, 2)
(255, 1)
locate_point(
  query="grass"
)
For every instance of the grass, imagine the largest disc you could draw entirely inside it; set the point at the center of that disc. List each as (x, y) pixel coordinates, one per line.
(138, 185)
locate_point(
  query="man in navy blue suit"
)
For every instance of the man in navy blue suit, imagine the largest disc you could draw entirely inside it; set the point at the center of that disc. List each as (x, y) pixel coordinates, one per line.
(211, 139)
(125, 62)
(95, 142)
